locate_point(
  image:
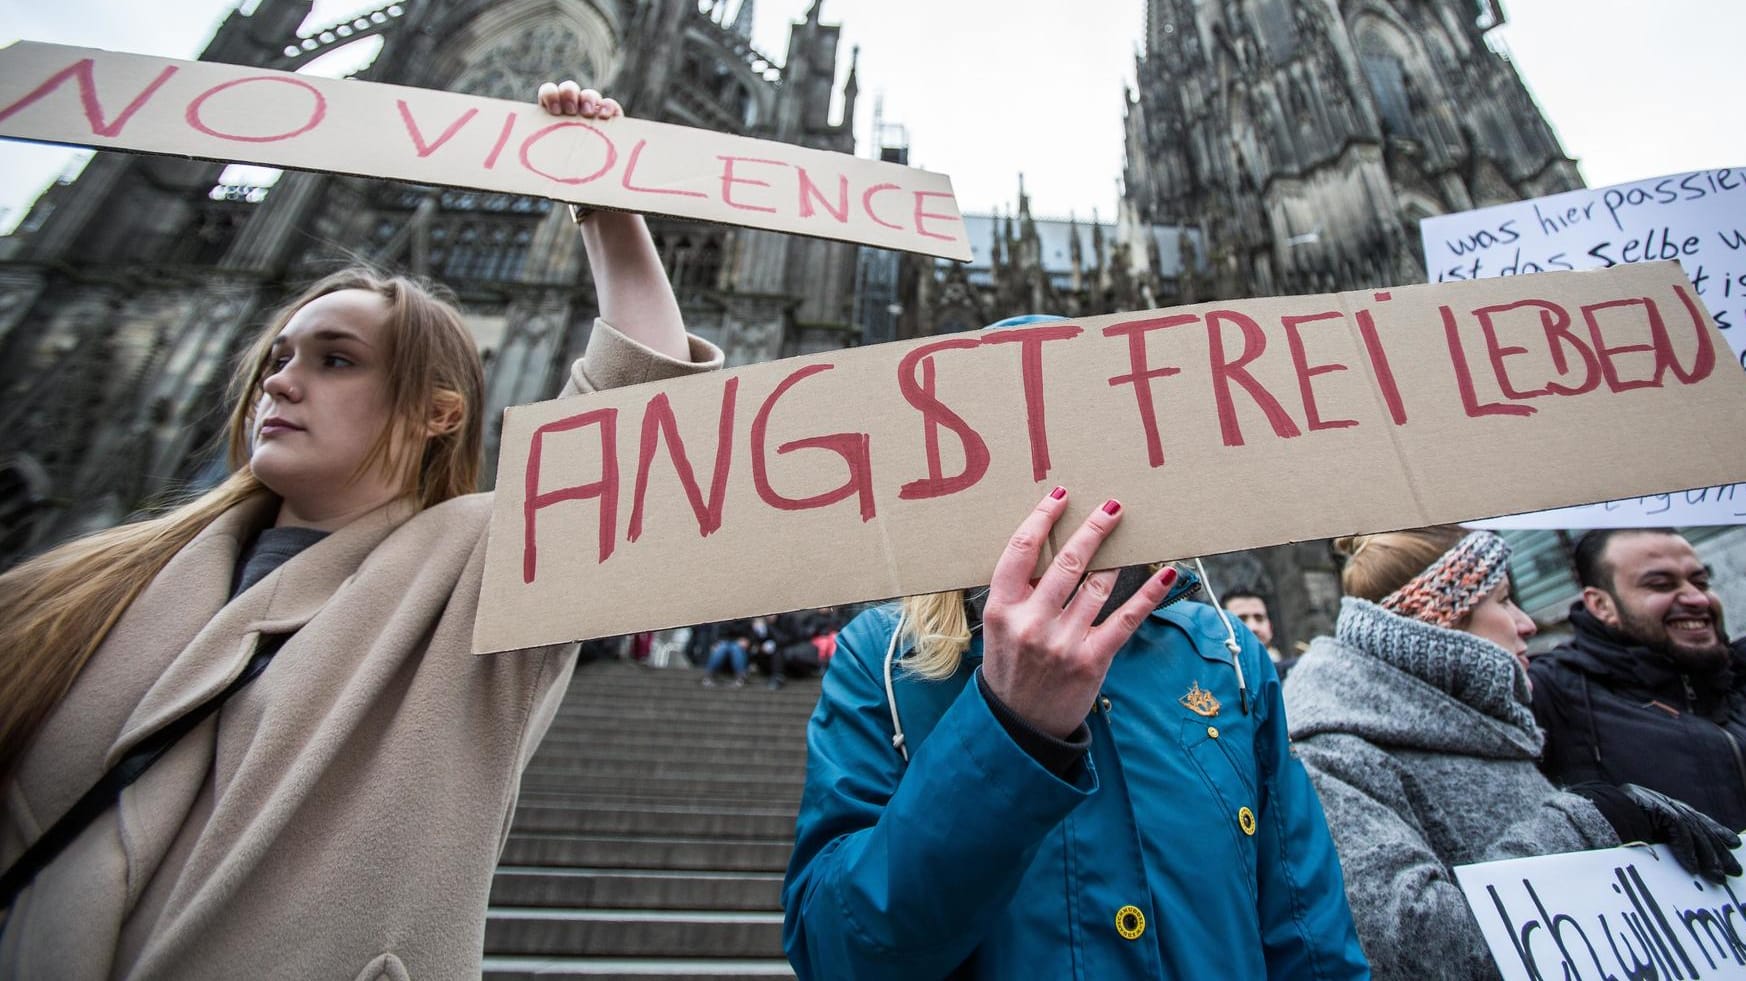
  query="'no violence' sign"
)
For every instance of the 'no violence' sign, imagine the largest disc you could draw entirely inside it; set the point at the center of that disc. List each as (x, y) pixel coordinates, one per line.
(224, 112)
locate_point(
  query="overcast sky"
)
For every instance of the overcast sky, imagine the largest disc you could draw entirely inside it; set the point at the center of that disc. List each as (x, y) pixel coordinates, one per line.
(986, 90)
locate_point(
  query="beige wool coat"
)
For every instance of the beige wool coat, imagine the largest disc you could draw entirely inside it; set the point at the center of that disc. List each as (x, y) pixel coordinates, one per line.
(341, 816)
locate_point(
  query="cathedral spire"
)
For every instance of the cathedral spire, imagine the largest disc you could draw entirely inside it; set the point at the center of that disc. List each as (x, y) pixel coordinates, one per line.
(1098, 254)
(1075, 252)
(851, 88)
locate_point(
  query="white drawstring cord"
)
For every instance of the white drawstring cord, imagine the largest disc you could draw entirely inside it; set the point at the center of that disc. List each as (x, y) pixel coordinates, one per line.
(891, 691)
(1231, 643)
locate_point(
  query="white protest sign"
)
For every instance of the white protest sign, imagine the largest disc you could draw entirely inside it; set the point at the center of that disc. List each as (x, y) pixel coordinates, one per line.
(214, 111)
(1696, 218)
(1610, 914)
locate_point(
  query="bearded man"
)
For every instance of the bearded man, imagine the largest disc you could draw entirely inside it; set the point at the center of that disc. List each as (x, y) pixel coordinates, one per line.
(1648, 691)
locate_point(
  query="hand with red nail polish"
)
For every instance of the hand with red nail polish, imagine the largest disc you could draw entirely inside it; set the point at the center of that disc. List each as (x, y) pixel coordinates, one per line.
(1041, 655)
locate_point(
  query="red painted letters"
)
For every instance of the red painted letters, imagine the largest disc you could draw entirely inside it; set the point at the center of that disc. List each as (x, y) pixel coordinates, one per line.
(81, 70)
(1141, 373)
(852, 447)
(921, 213)
(1031, 341)
(630, 170)
(728, 180)
(809, 193)
(658, 419)
(605, 489)
(412, 130)
(1705, 360)
(317, 111)
(1306, 371)
(1464, 376)
(528, 144)
(1225, 371)
(502, 140)
(1379, 365)
(867, 203)
(935, 414)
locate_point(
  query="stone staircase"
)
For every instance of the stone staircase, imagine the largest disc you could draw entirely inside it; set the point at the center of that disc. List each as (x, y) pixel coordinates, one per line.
(654, 825)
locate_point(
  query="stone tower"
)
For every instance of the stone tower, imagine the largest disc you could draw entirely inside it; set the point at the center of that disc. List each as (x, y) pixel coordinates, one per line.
(1305, 140)
(1273, 147)
(126, 293)
(1309, 137)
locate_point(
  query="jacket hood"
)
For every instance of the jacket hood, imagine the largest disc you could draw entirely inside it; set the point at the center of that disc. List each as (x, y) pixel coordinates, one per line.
(1610, 657)
(1402, 683)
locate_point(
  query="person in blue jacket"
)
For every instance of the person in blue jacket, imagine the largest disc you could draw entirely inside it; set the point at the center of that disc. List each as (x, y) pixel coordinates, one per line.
(1082, 785)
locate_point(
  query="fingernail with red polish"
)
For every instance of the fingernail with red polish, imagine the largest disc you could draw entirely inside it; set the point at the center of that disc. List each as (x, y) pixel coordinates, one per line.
(1167, 578)
(1111, 506)
(1058, 493)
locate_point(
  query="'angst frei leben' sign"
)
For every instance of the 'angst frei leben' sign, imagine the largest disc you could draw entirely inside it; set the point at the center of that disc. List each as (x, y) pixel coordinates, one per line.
(215, 111)
(904, 468)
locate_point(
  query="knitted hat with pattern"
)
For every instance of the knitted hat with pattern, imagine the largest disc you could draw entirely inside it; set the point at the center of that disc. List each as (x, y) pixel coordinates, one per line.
(1453, 585)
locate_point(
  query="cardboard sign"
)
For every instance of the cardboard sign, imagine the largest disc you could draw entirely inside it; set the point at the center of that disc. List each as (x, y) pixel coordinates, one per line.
(1608, 914)
(904, 468)
(1697, 219)
(224, 112)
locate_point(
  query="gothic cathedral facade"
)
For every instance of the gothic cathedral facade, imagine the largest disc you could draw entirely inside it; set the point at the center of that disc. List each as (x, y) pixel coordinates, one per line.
(1272, 146)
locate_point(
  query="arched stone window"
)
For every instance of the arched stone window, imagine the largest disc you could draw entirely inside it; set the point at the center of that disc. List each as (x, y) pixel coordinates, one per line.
(1384, 54)
(514, 66)
(1273, 20)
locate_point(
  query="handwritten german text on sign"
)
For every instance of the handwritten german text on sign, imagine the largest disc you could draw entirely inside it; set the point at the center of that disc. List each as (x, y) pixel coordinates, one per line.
(224, 112)
(1615, 913)
(1697, 218)
(903, 468)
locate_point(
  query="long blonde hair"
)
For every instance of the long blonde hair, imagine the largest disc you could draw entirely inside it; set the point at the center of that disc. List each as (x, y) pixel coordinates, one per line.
(937, 628)
(56, 609)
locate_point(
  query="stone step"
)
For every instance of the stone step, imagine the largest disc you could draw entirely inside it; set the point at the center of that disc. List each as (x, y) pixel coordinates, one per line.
(723, 771)
(559, 776)
(620, 747)
(632, 932)
(647, 852)
(678, 741)
(688, 684)
(696, 821)
(632, 968)
(652, 831)
(654, 713)
(573, 794)
(625, 677)
(636, 888)
(691, 798)
(585, 718)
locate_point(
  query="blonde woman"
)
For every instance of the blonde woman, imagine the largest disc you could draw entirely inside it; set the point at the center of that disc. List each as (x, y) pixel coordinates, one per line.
(1068, 781)
(340, 815)
(1414, 722)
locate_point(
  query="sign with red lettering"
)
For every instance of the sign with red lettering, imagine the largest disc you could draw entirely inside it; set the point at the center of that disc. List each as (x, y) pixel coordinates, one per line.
(1697, 219)
(903, 468)
(202, 109)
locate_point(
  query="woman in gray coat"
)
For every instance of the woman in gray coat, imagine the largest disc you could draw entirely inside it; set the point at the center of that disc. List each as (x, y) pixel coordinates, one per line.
(1415, 726)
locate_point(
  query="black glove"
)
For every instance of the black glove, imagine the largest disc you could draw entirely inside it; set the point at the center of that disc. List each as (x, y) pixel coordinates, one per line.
(1639, 814)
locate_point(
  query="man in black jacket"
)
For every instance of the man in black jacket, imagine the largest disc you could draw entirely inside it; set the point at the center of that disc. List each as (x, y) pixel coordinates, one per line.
(1649, 691)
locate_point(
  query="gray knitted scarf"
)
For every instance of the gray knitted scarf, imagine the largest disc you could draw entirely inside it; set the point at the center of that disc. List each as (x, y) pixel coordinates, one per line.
(1472, 670)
